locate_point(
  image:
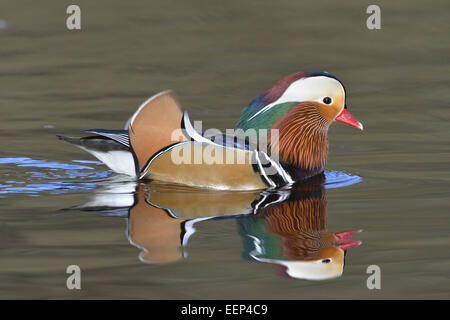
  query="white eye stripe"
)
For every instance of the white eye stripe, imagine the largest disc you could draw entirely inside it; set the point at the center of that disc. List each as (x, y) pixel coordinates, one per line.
(306, 89)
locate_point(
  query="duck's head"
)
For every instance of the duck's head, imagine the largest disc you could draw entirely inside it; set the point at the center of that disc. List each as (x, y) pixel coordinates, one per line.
(319, 89)
(301, 107)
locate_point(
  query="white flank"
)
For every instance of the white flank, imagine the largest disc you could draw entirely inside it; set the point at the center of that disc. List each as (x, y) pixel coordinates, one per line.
(117, 161)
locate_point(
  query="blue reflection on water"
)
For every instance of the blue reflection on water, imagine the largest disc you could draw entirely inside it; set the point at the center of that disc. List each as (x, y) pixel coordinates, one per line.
(338, 179)
(42, 181)
(56, 177)
(28, 162)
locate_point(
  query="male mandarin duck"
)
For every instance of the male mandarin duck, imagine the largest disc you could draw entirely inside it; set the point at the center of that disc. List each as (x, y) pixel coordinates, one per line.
(299, 107)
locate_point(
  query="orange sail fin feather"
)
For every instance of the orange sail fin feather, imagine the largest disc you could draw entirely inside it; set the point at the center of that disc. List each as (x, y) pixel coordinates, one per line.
(153, 125)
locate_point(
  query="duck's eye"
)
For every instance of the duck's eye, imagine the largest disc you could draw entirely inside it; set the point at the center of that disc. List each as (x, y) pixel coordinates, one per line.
(326, 260)
(327, 100)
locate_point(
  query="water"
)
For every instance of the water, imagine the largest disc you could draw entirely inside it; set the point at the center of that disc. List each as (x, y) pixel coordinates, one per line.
(60, 207)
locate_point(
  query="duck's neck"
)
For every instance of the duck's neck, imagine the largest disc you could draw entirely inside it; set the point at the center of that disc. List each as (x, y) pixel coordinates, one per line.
(302, 144)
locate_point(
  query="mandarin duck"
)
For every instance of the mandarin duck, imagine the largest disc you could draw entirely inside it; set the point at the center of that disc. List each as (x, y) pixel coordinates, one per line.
(299, 109)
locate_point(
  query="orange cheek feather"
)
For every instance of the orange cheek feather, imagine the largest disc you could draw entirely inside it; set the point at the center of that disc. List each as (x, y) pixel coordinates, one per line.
(330, 112)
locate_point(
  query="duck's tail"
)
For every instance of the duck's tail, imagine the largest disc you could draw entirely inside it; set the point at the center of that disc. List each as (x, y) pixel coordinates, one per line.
(115, 155)
(155, 125)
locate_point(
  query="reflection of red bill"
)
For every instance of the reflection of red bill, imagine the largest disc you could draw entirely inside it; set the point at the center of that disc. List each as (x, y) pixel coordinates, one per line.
(347, 118)
(343, 240)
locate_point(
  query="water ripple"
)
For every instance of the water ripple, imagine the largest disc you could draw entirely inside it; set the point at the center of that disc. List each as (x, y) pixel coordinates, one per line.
(35, 182)
(57, 177)
(339, 179)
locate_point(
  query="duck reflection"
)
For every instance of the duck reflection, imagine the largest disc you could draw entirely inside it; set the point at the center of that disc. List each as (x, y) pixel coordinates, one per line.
(293, 235)
(162, 219)
(287, 228)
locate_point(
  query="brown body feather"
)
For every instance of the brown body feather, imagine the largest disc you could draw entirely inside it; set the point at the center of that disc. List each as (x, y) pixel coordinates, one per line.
(303, 139)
